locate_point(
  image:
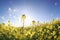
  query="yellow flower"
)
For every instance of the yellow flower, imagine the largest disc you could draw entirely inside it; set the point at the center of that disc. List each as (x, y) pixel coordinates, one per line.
(28, 32)
(49, 37)
(47, 31)
(54, 32)
(33, 22)
(23, 16)
(59, 32)
(51, 27)
(44, 29)
(55, 36)
(40, 29)
(58, 26)
(47, 26)
(32, 34)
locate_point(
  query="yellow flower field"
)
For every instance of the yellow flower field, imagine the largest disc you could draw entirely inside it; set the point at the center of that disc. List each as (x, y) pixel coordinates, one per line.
(46, 31)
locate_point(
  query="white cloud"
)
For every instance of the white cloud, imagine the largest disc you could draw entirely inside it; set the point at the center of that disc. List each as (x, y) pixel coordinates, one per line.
(55, 3)
(14, 10)
(10, 9)
(2, 18)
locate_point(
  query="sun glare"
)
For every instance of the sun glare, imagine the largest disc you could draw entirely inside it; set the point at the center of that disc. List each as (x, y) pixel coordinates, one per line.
(27, 21)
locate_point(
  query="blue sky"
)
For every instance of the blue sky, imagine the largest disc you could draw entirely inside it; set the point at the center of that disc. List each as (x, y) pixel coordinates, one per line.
(39, 10)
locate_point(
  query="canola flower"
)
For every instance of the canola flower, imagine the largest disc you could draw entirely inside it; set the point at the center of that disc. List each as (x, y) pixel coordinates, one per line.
(48, 31)
(23, 18)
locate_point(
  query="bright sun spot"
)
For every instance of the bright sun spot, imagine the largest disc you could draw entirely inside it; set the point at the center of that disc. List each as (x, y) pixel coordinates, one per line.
(18, 21)
(28, 20)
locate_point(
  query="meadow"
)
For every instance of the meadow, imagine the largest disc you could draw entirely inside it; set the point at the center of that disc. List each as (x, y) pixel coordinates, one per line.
(41, 31)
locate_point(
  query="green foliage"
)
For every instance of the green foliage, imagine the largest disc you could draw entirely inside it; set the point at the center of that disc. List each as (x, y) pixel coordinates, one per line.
(46, 31)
